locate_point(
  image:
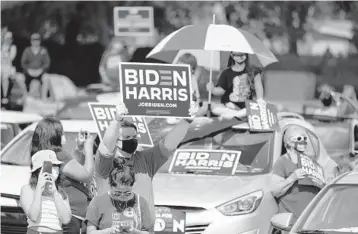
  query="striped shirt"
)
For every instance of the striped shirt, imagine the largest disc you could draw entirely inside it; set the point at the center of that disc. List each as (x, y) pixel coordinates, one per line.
(48, 217)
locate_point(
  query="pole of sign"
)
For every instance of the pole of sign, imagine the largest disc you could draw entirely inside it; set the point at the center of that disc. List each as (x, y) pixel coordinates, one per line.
(209, 140)
(211, 76)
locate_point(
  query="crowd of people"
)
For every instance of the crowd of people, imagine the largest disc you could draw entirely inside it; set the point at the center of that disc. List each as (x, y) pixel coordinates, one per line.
(35, 62)
(59, 197)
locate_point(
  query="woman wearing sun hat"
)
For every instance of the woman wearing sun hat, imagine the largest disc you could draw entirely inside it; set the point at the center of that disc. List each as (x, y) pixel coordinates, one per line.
(43, 200)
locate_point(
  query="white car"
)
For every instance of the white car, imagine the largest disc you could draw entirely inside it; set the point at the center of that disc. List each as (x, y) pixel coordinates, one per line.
(334, 210)
(232, 204)
(12, 122)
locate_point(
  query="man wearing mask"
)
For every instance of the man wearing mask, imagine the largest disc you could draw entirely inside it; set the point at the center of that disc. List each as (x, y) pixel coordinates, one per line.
(292, 195)
(120, 140)
(36, 61)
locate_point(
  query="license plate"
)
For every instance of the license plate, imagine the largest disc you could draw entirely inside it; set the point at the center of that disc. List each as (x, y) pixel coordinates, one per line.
(169, 221)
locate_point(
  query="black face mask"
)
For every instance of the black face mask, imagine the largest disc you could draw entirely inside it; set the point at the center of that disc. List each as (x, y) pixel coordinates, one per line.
(129, 146)
(327, 101)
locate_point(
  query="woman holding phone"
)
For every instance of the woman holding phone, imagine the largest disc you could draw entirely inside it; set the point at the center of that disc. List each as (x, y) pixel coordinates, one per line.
(44, 200)
(120, 210)
(77, 168)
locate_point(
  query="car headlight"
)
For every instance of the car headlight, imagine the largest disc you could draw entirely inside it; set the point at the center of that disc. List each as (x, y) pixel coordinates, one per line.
(242, 205)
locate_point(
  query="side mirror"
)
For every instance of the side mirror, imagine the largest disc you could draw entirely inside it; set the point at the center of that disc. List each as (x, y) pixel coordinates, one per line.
(283, 221)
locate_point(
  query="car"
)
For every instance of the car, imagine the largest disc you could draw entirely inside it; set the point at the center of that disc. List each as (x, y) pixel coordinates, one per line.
(333, 210)
(232, 204)
(15, 172)
(12, 122)
(181, 192)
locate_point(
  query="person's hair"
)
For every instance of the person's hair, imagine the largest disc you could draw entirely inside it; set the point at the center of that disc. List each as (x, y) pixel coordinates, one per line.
(231, 61)
(47, 135)
(127, 124)
(189, 59)
(96, 143)
(250, 70)
(121, 174)
(35, 177)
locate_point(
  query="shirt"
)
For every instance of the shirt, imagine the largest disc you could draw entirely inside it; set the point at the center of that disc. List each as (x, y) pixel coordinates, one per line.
(103, 214)
(79, 193)
(29, 60)
(238, 86)
(146, 163)
(296, 199)
(48, 216)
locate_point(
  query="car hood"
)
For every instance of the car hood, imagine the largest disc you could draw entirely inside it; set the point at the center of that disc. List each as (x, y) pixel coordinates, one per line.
(12, 178)
(205, 191)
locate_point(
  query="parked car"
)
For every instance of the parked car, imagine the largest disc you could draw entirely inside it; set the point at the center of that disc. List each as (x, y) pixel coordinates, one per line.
(334, 210)
(208, 200)
(231, 204)
(12, 122)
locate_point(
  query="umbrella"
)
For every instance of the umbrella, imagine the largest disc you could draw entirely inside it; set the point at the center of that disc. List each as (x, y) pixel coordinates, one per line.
(211, 38)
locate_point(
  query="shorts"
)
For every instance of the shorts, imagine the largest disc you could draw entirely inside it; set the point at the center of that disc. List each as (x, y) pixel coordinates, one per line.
(29, 79)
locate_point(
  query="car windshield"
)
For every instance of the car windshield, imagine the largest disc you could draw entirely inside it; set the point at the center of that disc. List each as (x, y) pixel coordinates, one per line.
(337, 210)
(19, 152)
(7, 133)
(255, 153)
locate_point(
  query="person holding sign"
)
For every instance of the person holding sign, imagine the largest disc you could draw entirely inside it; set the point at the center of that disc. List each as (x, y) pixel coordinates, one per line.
(236, 84)
(120, 141)
(120, 210)
(292, 196)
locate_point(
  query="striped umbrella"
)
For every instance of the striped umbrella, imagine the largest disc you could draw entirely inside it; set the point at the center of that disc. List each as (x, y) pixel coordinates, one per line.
(213, 38)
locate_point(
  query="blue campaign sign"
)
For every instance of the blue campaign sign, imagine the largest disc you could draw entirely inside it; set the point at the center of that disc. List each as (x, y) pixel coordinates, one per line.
(133, 21)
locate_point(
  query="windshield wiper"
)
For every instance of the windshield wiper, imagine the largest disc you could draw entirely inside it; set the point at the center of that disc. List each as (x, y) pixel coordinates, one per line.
(311, 232)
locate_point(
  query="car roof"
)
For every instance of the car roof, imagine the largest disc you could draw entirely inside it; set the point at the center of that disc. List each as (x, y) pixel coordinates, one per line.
(73, 126)
(17, 117)
(349, 178)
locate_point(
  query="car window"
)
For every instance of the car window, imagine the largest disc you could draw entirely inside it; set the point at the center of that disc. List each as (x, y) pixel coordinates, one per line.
(19, 152)
(313, 146)
(256, 154)
(7, 133)
(337, 209)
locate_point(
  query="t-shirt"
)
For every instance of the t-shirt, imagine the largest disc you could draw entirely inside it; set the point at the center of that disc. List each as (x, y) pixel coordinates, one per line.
(79, 193)
(103, 214)
(145, 163)
(238, 86)
(296, 199)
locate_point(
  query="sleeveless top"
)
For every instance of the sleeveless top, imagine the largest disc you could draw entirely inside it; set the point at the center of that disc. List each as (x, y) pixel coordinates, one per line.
(6, 55)
(48, 217)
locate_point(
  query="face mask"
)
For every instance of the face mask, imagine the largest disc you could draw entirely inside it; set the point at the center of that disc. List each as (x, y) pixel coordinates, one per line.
(129, 146)
(327, 101)
(300, 147)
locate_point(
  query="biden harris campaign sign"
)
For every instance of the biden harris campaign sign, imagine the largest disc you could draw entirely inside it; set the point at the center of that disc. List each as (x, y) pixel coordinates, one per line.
(157, 90)
(104, 114)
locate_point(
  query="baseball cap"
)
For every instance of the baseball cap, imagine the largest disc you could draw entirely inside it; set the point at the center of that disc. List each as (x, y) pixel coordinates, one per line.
(41, 156)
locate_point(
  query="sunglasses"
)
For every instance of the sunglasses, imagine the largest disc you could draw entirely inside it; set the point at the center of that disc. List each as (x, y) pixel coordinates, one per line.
(238, 55)
(298, 139)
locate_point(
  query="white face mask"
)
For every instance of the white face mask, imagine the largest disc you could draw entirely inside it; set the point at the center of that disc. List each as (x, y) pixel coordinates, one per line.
(63, 140)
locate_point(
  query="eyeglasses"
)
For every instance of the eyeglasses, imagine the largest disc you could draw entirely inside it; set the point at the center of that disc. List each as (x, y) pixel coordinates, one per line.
(121, 194)
(298, 139)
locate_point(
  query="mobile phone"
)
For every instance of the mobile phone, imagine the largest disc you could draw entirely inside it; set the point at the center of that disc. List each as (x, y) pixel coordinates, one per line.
(47, 167)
